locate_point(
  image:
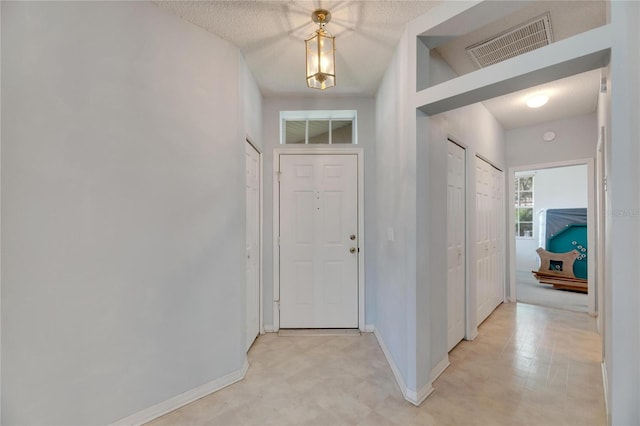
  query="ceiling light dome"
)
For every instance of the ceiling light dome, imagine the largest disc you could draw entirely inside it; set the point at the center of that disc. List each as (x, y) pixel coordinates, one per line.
(537, 101)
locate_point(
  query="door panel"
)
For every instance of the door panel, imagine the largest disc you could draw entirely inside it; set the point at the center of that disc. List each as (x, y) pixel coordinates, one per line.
(252, 235)
(456, 244)
(489, 231)
(318, 273)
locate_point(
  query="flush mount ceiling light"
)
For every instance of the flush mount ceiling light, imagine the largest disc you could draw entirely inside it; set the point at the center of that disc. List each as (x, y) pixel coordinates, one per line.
(321, 53)
(537, 101)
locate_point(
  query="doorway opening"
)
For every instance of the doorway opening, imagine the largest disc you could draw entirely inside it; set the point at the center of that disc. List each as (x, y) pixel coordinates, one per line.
(553, 210)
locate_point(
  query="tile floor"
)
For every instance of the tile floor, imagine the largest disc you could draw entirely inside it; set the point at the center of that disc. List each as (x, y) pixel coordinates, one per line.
(530, 365)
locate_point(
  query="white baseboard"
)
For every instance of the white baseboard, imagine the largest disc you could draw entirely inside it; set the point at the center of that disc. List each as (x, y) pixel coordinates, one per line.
(416, 398)
(183, 399)
(269, 329)
(605, 385)
(439, 368)
(369, 328)
(474, 333)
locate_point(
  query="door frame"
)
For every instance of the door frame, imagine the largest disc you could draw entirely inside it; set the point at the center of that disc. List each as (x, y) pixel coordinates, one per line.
(321, 150)
(592, 285)
(249, 141)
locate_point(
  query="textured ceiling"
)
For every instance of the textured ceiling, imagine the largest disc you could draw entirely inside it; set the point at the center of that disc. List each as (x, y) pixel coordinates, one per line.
(271, 36)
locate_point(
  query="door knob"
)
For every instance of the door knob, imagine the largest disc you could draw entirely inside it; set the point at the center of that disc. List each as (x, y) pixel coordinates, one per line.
(352, 250)
(352, 237)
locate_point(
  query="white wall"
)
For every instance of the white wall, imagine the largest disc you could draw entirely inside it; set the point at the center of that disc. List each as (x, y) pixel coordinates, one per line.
(477, 130)
(412, 175)
(271, 139)
(622, 293)
(576, 138)
(251, 105)
(481, 134)
(439, 69)
(623, 317)
(556, 188)
(122, 210)
(395, 221)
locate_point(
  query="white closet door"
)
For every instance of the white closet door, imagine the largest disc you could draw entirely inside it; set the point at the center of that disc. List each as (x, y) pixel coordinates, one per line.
(252, 235)
(318, 241)
(456, 244)
(489, 230)
(497, 236)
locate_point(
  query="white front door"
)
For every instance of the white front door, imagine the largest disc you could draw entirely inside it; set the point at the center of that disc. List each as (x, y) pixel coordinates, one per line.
(318, 241)
(456, 190)
(489, 231)
(252, 236)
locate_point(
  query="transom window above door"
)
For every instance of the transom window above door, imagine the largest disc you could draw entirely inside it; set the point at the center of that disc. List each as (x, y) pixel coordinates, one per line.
(329, 127)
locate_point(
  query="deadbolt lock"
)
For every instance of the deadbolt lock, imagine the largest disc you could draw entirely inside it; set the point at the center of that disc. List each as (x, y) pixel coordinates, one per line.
(352, 250)
(352, 237)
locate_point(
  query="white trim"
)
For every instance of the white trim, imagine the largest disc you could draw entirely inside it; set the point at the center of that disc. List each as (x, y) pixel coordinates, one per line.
(320, 150)
(275, 179)
(591, 221)
(183, 399)
(414, 397)
(268, 329)
(392, 364)
(1, 399)
(511, 187)
(260, 233)
(417, 398)
(489, 162)
(261, 266)
(472, 335)
(319, 114)
(592, 240)
(369, 328)
(439, 368)
(605, 385)
(324, 115)
(469, 328)
(361, 238)
(276, 308)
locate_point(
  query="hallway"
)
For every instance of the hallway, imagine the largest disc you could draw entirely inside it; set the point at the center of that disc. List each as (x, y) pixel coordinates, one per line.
(529, 365)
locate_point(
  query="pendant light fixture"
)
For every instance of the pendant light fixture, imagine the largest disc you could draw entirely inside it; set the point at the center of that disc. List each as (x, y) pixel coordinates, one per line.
(321, 57)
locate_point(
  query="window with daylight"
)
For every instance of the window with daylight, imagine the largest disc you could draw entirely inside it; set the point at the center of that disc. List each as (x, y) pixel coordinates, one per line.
(318, 127)
(524, 206)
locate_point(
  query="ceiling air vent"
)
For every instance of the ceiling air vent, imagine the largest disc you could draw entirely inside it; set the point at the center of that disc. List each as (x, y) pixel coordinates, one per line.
(515, 41)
